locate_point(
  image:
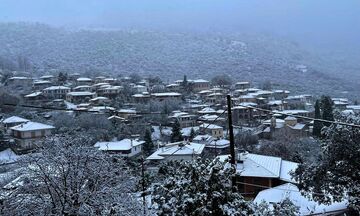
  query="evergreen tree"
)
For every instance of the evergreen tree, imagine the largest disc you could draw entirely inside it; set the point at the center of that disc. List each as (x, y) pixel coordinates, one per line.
(317, 125)
(148, 145)
(336, 174)
(176, 135)
(184, 82)
(186, 85)
(192, 134)
(62, 78)
(1, 135)
(221, 80)
(327, 109)
(197, 188)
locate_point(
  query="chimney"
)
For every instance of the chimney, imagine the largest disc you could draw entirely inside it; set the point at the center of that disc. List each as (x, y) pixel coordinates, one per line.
(241, 155)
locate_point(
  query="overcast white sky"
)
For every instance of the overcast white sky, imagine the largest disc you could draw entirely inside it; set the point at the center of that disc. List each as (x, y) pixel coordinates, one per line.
(321, 22)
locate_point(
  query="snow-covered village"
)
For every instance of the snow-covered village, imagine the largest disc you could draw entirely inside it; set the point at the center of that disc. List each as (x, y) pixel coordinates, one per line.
(199, 147)
(179, 108)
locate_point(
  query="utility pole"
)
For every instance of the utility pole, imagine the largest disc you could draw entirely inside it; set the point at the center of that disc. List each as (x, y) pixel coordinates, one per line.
(143, 183)
(231, 131)
(232, 143)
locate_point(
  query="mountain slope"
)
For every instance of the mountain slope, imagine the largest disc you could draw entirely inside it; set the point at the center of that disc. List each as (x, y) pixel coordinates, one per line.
(244, 57)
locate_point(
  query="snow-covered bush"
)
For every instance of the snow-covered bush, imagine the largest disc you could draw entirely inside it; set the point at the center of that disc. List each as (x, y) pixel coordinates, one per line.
(336, 175)
(67, 177)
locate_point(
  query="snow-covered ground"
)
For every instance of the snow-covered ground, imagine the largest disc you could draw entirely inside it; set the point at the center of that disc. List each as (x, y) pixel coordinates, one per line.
(8, 156)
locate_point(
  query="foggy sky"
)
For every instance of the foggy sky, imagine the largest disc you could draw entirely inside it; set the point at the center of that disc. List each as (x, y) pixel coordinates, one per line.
(311, 22)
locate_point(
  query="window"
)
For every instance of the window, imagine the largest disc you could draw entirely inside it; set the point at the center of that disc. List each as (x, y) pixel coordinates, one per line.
(33, 135)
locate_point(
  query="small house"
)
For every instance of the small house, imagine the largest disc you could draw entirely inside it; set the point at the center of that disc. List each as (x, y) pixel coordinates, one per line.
(125, 147)
(29, 133)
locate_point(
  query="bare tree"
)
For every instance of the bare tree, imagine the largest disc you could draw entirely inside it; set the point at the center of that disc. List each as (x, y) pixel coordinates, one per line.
(69, 178)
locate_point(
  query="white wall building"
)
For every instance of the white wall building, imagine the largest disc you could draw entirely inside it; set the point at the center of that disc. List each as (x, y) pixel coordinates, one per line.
(125, 147)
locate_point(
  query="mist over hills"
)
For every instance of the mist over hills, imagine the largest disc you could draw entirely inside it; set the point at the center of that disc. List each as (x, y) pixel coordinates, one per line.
(171, 55)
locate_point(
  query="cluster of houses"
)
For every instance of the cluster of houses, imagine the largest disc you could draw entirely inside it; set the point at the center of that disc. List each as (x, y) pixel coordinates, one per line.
(266, 113)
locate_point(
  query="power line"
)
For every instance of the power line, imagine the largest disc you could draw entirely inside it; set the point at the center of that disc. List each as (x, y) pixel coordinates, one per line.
(213, 121)
(80, 110)
(299, 116)
(97, 112)
(162, 113)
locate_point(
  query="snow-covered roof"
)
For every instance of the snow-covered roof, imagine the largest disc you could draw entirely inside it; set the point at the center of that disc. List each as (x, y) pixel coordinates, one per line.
(307, 206)
(245, 105)
(100, 77)
(286, 168)
(34, 94)
(140, 96)
(100, 84)
(207, 110)
(216, 89)
(348, 112)
(177, 149)
(340, 99)
(260, 166)
(99, 98)
(282, 91)
(215, 94)
(173, 85)
(84, 93)
(208, 117)
(200, 81)
(275, 102)
(242, 83)
(177, 114)
(82, 86)
(47, 76)
(292, 112)
(139, 86)
(203, 138)
(253, 89)
(14, 119)
(204, 92)
(166, 94)
(263, 92)
(84, 79)
(248, 96)
(297, 97)
(353, 107)
(254, 165)
(101, 108)
(290, 118)
(41, 82)
(57, 88)
(111, 87)
(110, 79)
(222, 143)
(210, 126)
(32, 126)
(116, 117)
(19, 78)
(279, 123)
(125, 144)
(130, 111)
(298, 126)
